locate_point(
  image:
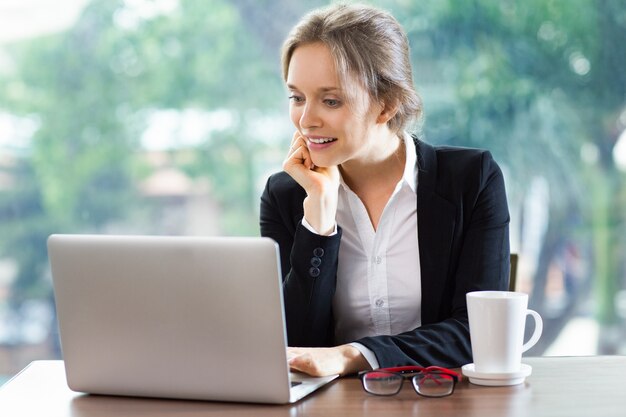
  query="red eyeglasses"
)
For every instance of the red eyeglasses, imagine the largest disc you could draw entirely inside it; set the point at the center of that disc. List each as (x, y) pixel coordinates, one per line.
(432, 381)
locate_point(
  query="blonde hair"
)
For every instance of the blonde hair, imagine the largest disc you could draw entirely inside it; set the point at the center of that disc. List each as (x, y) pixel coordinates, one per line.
(367, 44)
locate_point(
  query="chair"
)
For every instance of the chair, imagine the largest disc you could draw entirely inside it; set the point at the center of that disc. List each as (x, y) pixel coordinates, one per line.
(513, 272)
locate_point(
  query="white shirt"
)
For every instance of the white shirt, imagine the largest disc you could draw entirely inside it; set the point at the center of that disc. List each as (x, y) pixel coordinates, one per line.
(378, 277)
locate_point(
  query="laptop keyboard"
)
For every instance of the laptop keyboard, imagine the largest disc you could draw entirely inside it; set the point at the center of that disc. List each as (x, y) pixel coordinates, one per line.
(295, 383)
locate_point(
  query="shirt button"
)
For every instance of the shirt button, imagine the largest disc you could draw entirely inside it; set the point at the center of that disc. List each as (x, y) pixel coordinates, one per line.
(314, 272)
(380, 302)
(315, 261)
(378, 260)
(319, 252)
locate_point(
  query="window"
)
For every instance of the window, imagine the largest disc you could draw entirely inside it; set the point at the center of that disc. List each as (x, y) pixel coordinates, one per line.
(167, 116)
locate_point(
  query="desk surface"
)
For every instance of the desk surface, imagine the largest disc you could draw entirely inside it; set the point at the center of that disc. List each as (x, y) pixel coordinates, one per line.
(558, 386)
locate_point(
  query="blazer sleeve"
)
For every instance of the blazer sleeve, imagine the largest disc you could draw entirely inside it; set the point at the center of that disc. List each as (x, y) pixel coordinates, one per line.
(308, 263)
(479, 260)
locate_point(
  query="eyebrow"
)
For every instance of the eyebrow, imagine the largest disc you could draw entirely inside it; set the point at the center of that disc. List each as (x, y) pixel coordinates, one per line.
(321, 89)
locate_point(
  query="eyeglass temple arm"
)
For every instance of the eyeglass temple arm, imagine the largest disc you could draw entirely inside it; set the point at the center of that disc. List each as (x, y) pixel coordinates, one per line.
(404, 369)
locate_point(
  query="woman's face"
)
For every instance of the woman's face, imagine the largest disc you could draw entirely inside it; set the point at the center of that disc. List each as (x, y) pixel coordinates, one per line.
(335, 131)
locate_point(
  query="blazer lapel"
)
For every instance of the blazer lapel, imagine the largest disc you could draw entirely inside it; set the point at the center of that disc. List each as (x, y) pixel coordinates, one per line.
(436, 223)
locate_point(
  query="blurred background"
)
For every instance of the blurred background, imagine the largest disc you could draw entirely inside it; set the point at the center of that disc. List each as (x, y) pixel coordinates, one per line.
(167, 116)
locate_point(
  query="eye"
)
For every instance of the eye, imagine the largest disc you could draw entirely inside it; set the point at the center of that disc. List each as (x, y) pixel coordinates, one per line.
(331, 102)
(296, 99)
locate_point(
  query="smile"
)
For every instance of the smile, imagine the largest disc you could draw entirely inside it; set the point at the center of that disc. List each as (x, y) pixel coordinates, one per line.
(321, 140)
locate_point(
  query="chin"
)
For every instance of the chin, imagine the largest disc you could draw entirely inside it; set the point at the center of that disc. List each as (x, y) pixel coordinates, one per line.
(323, 162)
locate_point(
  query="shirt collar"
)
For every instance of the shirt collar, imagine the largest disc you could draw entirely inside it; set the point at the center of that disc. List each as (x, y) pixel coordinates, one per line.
(410, 164)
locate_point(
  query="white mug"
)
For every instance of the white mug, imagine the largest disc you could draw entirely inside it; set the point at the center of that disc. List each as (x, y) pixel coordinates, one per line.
(497, 320)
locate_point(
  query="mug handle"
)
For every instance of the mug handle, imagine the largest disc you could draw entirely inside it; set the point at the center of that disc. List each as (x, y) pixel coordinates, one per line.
(538, 330)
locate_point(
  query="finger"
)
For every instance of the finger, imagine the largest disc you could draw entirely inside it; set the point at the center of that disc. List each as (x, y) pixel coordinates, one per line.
(299, 140)
(304, 363)
(308, 162)
(296, 141)
(299, 156)
(297, 137)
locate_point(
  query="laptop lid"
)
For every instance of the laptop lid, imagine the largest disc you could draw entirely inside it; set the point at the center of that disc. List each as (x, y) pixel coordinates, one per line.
(178, 317)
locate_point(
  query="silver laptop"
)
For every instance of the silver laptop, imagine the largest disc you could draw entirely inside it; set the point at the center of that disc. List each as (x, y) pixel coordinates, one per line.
(174, 317)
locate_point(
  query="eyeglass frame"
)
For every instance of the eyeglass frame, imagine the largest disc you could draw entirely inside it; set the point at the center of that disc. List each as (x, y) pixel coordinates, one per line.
(413, 372)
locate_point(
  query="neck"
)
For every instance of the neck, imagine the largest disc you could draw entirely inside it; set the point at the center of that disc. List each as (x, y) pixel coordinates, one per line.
(382, 165)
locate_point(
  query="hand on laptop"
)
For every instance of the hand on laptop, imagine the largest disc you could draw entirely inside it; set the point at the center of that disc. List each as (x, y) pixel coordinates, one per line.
(342, 360)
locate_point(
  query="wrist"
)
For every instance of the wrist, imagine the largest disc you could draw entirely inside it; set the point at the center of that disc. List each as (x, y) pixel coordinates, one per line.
(320, 213)
(353, 360)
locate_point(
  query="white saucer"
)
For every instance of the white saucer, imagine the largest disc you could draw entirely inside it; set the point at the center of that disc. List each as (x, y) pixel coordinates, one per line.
(496, 379)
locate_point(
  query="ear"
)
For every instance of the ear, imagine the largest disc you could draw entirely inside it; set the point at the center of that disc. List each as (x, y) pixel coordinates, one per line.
(387, 111)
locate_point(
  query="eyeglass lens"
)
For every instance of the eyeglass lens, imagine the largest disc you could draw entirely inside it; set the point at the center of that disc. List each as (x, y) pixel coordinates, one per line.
(382, 383)
(433, 385)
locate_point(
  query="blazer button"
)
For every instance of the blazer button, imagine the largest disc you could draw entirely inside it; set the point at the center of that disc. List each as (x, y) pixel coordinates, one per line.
(314, 272)
(319, 252)
(315, 261)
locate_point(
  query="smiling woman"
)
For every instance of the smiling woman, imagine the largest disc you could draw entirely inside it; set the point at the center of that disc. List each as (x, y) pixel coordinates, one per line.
(364, 284)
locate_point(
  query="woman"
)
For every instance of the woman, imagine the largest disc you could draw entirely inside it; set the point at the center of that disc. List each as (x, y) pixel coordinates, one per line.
(381, 235)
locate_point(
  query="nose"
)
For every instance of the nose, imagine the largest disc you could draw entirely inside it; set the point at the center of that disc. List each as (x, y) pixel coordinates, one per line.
(310, 117)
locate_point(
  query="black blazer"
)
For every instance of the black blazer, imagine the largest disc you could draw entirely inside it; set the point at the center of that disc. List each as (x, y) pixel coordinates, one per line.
(463, 233)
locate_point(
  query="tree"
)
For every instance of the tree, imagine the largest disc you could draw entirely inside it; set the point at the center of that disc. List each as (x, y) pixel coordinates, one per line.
(92, 88)
(539, 82)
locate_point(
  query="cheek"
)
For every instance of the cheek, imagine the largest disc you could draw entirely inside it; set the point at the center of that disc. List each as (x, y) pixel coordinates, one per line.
(345, 120)
(295, 115)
